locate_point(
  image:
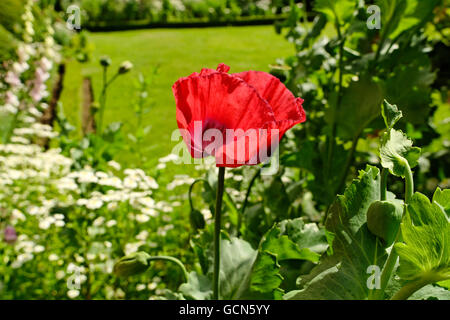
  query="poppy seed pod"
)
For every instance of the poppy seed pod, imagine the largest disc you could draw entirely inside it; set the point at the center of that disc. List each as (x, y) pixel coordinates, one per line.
(383, 220)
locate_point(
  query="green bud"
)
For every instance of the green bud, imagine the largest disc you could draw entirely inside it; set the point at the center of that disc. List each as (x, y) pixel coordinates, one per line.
(105, 61)
(125, 67)
(383, 220)
(132, 264)
(197, 220)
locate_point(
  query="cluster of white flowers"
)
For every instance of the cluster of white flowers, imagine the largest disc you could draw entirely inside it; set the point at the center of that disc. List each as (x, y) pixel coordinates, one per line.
(24, 52)
(263, 4)
(180, 180)
(26, 249)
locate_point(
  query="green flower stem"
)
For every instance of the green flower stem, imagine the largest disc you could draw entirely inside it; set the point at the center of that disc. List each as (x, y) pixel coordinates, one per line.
(331, 139)
(387, 270)
(409, 183)
(174, 260)
(106, 84)
(190, 191)
(393, 256)
(217, 224)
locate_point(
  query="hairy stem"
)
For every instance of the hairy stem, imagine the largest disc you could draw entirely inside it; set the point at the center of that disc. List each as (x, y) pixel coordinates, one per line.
(332, 137)
(409, 183)
(408, 289)
(174, 260)
(217, 225)
(190, 191)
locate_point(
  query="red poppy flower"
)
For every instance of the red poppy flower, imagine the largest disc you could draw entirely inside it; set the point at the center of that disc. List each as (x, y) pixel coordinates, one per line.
(238, 118)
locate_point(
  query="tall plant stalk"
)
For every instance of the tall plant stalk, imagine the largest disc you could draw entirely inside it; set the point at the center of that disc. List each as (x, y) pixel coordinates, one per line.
(217, 227)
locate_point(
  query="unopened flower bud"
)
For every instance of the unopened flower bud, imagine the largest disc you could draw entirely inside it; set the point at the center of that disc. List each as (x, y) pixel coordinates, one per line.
(132, 264)
(125, 67)
(105, 61)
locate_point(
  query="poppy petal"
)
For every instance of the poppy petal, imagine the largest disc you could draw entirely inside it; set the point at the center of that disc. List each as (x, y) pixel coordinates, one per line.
(288, 110)
(219, 101)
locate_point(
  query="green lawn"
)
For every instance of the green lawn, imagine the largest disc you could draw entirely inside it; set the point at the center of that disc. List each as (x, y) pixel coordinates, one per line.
(179, 52)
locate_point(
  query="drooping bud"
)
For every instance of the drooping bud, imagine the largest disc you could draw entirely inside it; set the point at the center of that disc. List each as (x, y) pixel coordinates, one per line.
(132, 264)
(197, 220)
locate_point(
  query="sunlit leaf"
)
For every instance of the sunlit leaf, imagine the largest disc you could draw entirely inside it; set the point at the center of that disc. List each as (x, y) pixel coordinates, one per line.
(425, 247)
(343, 274)
(396, 152)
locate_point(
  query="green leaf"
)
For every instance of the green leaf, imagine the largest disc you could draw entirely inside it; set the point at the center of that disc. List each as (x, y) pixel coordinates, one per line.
(442, 198)
(337, 11)
(285, 249)
(360, 105)
(198, 287)
(409, 84)
(401, 15)
(396, 151)
(236, 261)
(305, 235)
(343, 273)
(390, 114)
(265, 276)
(425, 247)
(246, 273)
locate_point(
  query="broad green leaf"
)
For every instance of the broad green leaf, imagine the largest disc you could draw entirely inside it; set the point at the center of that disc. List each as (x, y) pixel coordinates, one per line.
(343, 273)
(237, 258)
(198, 287)
(405, 14)
(442, 198)
(336, 11)
(425, 247)
(360, 105)
(409, 84)
(246, 273)
(305, 235)
(285, 249)
(390, 114)
(396, 151)
(265, 278)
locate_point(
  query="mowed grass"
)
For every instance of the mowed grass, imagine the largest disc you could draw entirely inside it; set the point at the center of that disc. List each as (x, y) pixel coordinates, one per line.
(178, 52)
